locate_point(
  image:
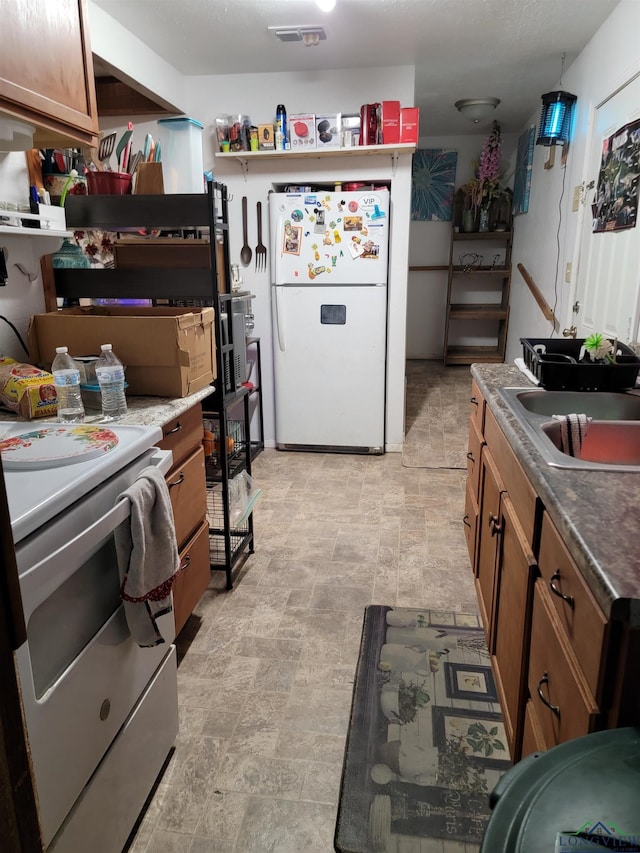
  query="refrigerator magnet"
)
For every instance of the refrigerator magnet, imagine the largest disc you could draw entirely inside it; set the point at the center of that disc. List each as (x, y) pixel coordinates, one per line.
(355, 249)
(291, 242)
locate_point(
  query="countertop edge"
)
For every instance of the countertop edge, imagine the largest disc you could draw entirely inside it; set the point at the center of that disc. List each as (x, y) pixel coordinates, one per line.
(593, 511)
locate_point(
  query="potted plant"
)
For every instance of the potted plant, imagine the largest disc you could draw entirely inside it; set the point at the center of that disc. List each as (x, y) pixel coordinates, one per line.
(485, 201)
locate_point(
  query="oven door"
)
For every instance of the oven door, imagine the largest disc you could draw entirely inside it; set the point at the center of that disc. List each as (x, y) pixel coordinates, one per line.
(81, 673)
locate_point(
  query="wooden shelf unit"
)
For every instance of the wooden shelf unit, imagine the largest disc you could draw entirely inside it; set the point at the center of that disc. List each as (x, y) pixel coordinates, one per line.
(477, 297)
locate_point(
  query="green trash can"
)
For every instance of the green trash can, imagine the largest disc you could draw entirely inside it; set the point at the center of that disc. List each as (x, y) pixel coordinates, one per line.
(580, 796)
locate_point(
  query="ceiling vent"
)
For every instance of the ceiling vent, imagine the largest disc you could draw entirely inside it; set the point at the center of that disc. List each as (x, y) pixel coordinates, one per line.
(308, 35)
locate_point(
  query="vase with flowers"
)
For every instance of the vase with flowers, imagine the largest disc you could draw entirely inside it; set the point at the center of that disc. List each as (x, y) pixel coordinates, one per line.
(484, 194)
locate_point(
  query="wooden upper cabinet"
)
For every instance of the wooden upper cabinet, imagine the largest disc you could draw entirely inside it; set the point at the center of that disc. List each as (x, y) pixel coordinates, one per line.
(47, 71)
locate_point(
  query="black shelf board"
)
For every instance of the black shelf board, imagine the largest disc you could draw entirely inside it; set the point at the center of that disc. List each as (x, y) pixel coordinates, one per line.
(156, 283)
(482, 235)
(125, 212)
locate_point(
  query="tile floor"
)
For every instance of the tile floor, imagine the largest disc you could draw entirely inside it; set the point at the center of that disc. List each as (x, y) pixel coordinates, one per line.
(266, 670)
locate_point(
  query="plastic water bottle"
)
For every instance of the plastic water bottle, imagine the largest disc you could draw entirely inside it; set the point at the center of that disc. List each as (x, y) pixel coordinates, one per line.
(110, 375)
(281, 128)
(66, 378)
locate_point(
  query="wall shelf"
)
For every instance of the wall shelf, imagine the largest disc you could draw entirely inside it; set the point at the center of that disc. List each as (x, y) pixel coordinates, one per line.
(354, 151)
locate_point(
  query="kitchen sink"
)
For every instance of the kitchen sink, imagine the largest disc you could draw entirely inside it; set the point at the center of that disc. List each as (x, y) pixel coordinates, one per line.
(600, 405)
(612, 441)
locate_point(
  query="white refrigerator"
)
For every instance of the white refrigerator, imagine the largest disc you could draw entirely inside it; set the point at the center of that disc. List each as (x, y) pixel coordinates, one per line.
(329, 260)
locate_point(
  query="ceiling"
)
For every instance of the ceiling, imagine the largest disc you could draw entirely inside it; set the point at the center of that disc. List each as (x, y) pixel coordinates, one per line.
(508, 49)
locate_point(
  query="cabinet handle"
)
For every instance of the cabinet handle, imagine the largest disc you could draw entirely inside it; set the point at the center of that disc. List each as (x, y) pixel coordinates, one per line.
(553, 708)
(473, 401)
(466, 521)
(186, 564)
(178, 481)
(494, 525)
(470, 457)
(176, 428)
(554, 589)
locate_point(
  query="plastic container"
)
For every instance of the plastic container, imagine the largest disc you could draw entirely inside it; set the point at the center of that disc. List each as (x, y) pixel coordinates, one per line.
(555, 362)
(109, 183)
(182, 157)
(66, 378)
(110, 375)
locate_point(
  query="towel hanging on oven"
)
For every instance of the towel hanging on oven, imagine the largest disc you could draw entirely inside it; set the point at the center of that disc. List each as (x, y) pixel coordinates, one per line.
(147, 556)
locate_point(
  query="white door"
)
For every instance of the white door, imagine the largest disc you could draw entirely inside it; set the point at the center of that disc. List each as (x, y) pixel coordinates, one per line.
(329, 361)
(608, 284)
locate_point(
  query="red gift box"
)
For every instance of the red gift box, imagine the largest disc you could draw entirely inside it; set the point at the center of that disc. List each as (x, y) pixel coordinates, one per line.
(390, 112)
(409, 124)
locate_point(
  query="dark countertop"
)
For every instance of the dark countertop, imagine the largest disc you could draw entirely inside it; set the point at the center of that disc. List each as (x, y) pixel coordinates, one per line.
(596, 512)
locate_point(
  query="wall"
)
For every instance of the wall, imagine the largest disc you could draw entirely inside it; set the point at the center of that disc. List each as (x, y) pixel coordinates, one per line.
(429, 245)
(21, 297)
(607, 62)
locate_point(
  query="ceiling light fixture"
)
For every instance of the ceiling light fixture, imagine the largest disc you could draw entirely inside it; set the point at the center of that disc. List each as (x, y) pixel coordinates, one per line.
(325, 5)
(310, 35)
(477, 109)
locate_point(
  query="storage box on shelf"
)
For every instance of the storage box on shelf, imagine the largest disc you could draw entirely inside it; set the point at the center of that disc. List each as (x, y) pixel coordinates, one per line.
(199, 284)
(168, 352)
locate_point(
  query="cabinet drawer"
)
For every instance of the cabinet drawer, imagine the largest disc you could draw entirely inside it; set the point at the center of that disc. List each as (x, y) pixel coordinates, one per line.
(555, 675)
(193, 580)
(576, 609)
(532, 738)
(470, 522)
(188, 493)
(514, 478)
(474, 448)
(182, 434)
(477, 406)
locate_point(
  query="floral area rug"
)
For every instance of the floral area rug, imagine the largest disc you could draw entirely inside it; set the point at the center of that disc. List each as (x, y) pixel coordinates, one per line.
(426, 742)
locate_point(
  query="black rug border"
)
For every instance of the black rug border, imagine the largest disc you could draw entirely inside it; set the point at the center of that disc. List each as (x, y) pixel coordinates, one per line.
(367, 727)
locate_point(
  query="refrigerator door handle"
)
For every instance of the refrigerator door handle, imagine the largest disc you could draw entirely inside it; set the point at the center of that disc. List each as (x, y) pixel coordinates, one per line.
(279, 312)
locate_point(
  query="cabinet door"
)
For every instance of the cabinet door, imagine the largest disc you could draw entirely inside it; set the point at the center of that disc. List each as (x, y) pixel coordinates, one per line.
(474, 449)
(561, 697)
(470, 522)
(532, 738)
(584, 623)
(194, 576)
(183, 433)
(512, 609)
(47, 70)
(477, 406)
(188, 493)
(488, 533)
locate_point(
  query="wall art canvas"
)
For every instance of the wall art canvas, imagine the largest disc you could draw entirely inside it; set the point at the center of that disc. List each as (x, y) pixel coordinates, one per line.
(434, 177)
(615, 206)
(524, 167)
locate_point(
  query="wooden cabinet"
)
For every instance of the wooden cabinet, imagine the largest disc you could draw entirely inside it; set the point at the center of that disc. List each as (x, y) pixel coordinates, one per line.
(187, 490)
(562, 667)
(47, 71)
(504, 569)
(477, 297)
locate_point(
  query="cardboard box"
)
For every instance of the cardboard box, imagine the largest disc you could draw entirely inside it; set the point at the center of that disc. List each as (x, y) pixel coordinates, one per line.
(167, 352)
(302, 132)
(409, 124)
(328, 131)
(390, 117)
(266, 137)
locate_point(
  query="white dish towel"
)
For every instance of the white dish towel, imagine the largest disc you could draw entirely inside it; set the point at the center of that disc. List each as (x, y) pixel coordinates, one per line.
(147, 555)
(573, 429)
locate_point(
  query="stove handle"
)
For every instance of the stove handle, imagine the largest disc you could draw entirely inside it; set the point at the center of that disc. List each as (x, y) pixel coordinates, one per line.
(40, 581)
